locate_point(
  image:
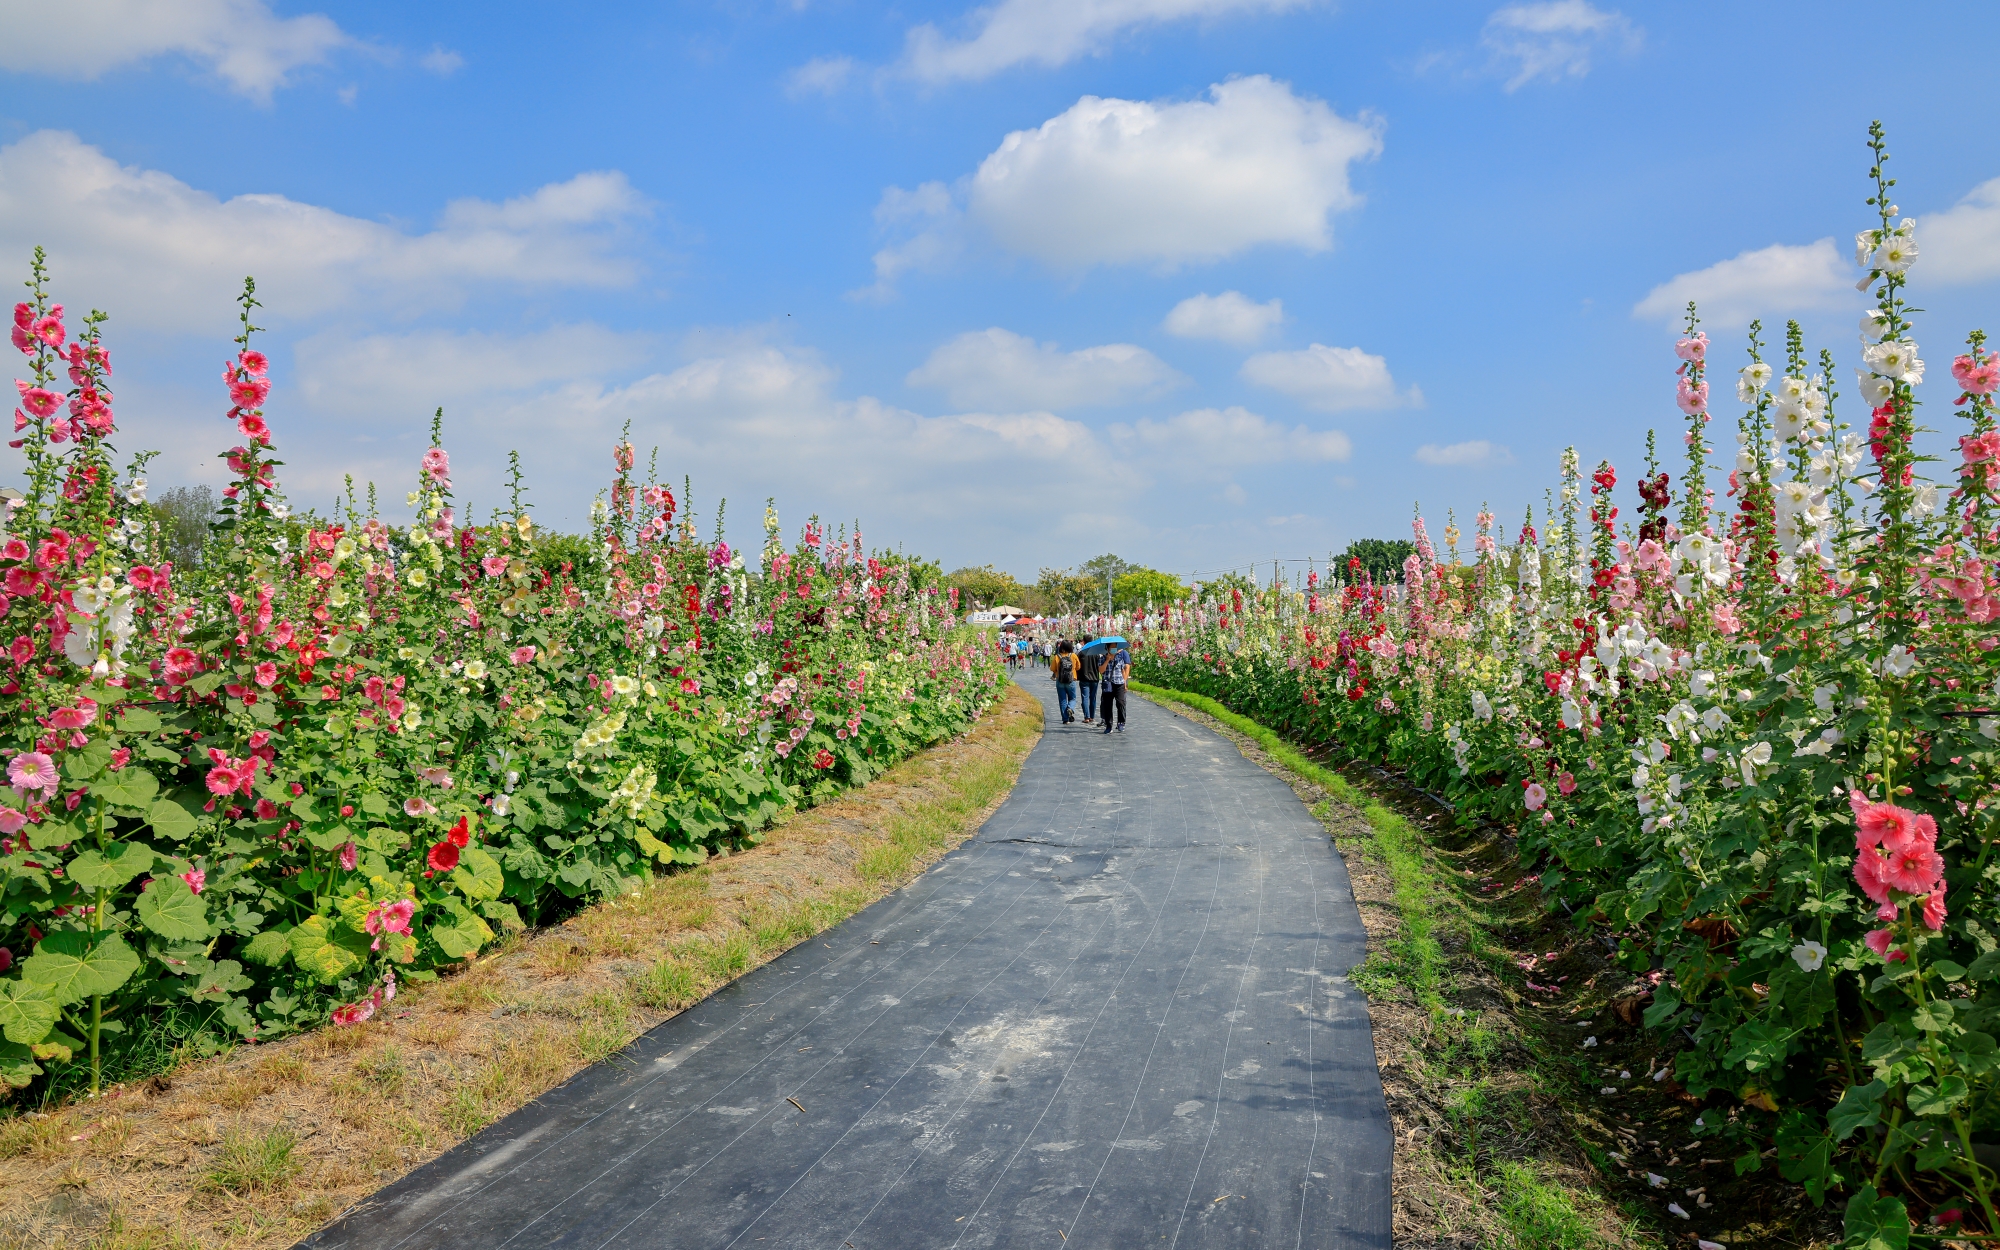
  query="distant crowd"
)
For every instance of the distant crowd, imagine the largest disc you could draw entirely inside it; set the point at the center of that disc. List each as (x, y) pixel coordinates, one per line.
(1090, 675)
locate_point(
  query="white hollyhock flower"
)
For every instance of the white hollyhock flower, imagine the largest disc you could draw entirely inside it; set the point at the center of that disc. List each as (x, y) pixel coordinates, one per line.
(1714, 719)
(1790, 389)
(1481, 708)
(1900, 660)
(1864, 248)
(1898, 252)
(1874, 324)
(1789, 419)
(1572, 714)
(1926, 500)
(1873, 389)
(1809, 956)
(1895, 358)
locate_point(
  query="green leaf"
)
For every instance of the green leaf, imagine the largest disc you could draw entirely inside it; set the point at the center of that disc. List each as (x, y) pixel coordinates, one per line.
(1756, 1046)
(75, 965)
(171, 820)
(27, 1011)
(128, 787)
(87, 763)
(219, 978)
(1938, 1099)
(1875, 1222)
(137, 720)
(1934, 1016)
(374, 804)
(323, 951)
(478, 874)
(1665, 1004)
(465, 933)
(171, 908)
(1860, 1107)
(264, 711)
(111, 867)
(268, 948)
(17, 1064)
(1948, 970)
(1986, 967)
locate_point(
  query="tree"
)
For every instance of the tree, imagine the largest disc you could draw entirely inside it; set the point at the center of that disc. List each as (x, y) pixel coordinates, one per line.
(1381, 557)
(986, 587)
(184, 514)
(1136, 590)
(1216, 589)
(1063, 593)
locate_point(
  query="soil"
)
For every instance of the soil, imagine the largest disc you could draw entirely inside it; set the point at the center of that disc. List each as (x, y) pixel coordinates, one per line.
(259, 1147)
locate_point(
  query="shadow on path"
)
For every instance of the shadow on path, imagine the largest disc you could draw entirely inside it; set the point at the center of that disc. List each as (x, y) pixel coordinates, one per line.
(1117, 1015)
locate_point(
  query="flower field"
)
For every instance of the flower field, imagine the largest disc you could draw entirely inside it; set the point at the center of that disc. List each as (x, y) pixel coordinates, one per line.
(334, 754)
(1751, 738)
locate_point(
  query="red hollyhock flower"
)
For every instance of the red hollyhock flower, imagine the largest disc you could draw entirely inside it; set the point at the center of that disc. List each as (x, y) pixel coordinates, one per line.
(443, 857)
(824, 759)
(461, 833)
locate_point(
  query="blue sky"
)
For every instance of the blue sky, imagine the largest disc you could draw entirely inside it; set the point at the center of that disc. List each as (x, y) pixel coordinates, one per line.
(1201, 282)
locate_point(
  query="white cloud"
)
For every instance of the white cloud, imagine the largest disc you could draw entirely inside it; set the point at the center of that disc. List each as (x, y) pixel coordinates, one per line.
(338, 372)
(1477, 454)
(160, 253)
(1962, 243)
(1129, 181)
(442, 61)
(1206, 439)
(823, 75)
(999, 369)
(1780, 278)
(1330, 378)
(928, 229)
(1053, 32)
(1553, 40)
(1229, 317)
(242, 41)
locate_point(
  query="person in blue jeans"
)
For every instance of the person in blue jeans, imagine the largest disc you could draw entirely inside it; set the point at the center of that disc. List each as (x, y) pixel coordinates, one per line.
(1063, 667)
(1092, 666)
(1117, 666)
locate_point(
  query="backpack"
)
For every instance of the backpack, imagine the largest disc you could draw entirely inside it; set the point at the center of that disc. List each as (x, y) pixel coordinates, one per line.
(1065, 668)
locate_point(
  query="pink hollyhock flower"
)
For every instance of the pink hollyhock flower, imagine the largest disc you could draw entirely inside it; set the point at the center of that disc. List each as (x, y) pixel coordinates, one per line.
(354, 1013)
(266, 674)
(350, 856)
(120, 757)
(182, 660)
(223, 779)
(72, 717)
(443, 857)
(690, 686)
(22, 649)
(1534, 796)
(32, 770)
(141, 576)
(252, 426)
(1934, 912)
(1566, 783)
(254, 361)
(523, 655)
(1977, 375)
(266, 810)
(1979, 448)
(1915, 869)
(418, 807)
(1889, 826)
(11, 821)
(1692, 399)
(248, 394)
(37, 401)
(438, 465)
(195, 878)
(389, 918)
(1693, 349)
(1726, 619)
(1879, 941)
(440, 777)
(14, 550)
(495, 566)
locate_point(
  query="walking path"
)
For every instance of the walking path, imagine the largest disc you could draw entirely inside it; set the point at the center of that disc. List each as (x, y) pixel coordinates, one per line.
(1116, 1017)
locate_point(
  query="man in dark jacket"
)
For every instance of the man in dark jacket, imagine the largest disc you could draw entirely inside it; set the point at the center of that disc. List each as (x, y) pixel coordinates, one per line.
(1092, 663)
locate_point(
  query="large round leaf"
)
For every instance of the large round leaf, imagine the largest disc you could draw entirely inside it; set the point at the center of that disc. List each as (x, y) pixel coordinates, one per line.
(170, 908)
(171, 820)
(27, 1011)
(126, 787)
(478, 874)
(75, 965)
(111, 867)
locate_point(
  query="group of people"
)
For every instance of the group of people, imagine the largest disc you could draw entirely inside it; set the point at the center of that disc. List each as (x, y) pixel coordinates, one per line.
(1091, 679)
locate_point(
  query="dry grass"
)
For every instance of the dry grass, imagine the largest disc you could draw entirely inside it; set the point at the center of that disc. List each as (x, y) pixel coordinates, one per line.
(258, 1148)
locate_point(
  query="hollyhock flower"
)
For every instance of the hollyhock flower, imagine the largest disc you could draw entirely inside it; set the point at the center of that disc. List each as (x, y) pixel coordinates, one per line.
(418, 807)
(252, 426)
(389, 918)
(73, 717)
(1914, 869)
(248, 394)
(523, 655)
(1693, 349)
(49, 329)
(37, 401)
(120, 757)
(1566, 783)
(266, 810)
(223, 779)
(1726, 619)
(1879, 941)
(443, 857)
(461, 833)
(354, 1013)
(495, 566)
(1692, 399)
(1534, 796)
(1888, 826)
(21, 650)
(438, 465)
(32, 770)
(1809, 956)
(140, 576)
(266, 674)
(254, 361)
(824, 759)
(350, 856)
(439, 777)
(6, 959)
(1934, 912)
(196, 879)
(690, 686)
(11, 821)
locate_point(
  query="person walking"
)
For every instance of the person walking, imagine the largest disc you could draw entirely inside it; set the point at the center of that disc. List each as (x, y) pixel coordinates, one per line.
(1117, 666)
(1062, 667)
(1092, 665)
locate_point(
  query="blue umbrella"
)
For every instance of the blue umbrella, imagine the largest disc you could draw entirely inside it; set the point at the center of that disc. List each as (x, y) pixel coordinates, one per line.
(1105, 641)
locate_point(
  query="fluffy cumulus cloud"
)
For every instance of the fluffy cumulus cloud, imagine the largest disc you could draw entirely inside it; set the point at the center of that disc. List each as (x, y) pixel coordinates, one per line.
(1210, 439)
(1553, 40)
(1230, 317)
(1330, 379)
(154, 250)
(999, 369)
(1476, 454)
(1962, 243)
(1776, 279)
(1131, 181)
(240, 41)
(1053, 32)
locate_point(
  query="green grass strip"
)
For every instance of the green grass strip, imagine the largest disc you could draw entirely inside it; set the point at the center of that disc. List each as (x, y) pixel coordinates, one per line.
(1414, 959)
